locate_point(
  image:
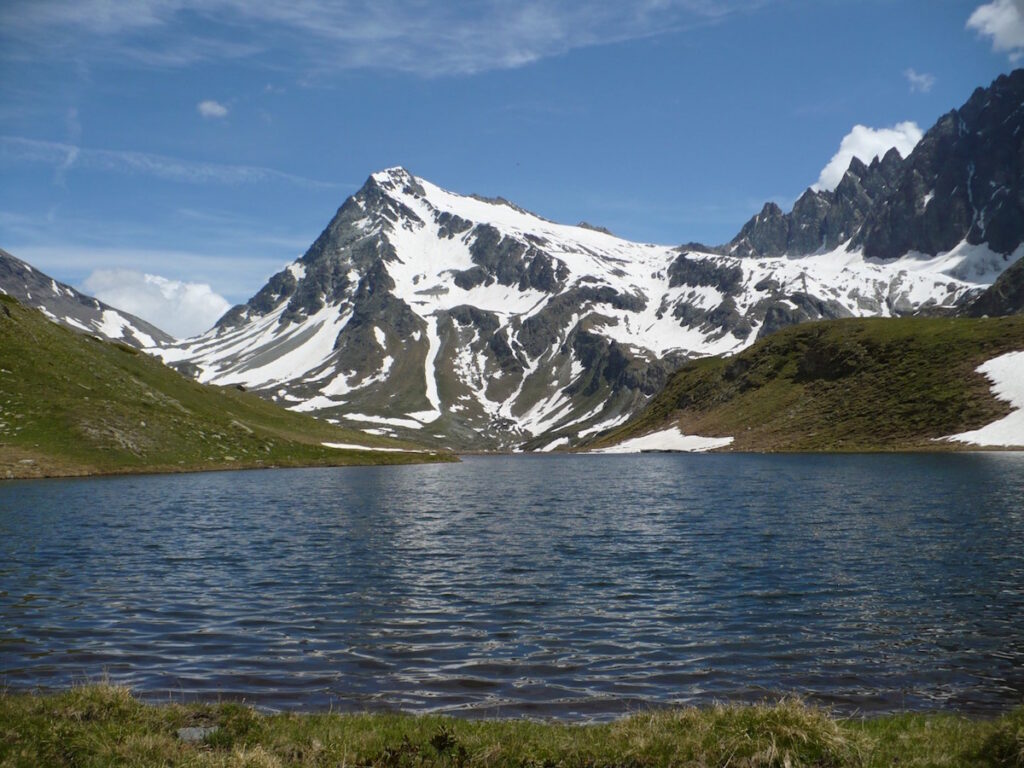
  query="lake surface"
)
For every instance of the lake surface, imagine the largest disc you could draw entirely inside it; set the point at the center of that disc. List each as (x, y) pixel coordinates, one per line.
(576, 587)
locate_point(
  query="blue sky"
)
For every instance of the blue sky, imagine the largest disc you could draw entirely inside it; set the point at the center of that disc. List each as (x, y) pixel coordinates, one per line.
(208, 142)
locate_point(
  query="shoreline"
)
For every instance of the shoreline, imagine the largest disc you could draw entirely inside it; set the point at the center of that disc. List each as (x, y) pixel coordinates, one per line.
(8, 472)
(16, 472)
(102, 724)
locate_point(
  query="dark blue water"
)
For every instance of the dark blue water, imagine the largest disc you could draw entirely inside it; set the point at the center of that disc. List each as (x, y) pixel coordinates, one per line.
(558, 586)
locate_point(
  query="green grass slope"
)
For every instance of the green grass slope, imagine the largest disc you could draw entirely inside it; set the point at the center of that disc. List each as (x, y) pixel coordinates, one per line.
(845, 385)
(71, 404)
(106, 726)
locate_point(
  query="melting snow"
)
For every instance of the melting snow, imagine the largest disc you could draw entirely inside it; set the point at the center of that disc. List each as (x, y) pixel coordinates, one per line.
(263, 352)
(671, 439)
(354, 447)
(314, 404)
(395, 422)
(1006, 373)
(559, 443)
(433, 350)
(112, 325)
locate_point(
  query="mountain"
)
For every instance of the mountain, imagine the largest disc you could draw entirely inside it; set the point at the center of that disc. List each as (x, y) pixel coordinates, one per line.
(73, 404)
(963, 183)
(1004, 297)
(470, 323)
(473, 323)
(865, 384)
(63, 304)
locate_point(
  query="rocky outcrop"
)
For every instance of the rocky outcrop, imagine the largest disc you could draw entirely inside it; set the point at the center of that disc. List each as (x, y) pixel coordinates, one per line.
(964, 181)
(470, 323)
(1004, 297)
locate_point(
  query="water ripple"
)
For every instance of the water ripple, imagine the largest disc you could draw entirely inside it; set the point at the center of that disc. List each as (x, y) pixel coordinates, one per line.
(560, 586)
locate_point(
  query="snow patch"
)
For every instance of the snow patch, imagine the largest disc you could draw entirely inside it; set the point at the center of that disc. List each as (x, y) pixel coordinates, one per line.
(433, 350)
(389, 420)
(1006, 373)
(671, 439)
(354, 447)
(314, 404)
(559, 443)
(112, 325)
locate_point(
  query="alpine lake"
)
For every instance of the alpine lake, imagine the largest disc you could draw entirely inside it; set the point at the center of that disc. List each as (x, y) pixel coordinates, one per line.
(569, 587)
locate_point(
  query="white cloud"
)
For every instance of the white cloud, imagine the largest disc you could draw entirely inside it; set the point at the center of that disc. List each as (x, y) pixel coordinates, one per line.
(63, 156)
(211, 108)
(865, 144)
(182, 309)
(236, 277)
(325, 35)
(1003, 21)
(920, 82)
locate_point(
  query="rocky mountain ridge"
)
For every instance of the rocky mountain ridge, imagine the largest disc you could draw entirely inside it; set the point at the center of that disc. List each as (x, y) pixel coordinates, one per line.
(65, 305)
(470, 323)
(473, 324)
(963, 182)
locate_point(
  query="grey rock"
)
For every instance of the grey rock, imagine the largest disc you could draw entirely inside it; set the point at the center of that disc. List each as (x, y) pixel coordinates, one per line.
(728, 278)
(195, 734)
(964, 180)
(1004, 297)
(595, 228)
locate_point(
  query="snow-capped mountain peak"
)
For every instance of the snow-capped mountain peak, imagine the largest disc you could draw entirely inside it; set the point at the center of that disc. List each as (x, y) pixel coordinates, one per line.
(473, 323)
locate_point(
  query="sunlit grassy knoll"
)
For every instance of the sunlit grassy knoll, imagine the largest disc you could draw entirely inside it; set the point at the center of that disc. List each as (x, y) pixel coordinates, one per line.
(869, 384)
(71, 404)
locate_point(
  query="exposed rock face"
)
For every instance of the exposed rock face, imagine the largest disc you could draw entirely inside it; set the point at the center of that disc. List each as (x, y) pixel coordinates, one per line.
(472, 323)
(67, 306)
(820, 220)
(1005, 297)
(964, 181)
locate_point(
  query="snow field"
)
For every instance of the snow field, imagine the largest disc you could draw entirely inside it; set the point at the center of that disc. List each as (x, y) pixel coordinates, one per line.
(1006, 373)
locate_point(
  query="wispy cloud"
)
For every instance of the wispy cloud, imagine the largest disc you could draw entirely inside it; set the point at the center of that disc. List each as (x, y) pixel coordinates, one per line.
(16, 149)
(431, 39)
(211, 109)
(920, 82)
(74, 134)
(1003, 21)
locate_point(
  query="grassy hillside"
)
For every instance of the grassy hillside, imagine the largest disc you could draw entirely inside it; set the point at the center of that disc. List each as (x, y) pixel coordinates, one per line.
(843, 385)
(103, 725)
(71, 405)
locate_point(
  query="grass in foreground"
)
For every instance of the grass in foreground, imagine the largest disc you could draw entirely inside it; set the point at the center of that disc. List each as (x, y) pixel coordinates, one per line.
(71, 404)
(102, 725)
(872, 384)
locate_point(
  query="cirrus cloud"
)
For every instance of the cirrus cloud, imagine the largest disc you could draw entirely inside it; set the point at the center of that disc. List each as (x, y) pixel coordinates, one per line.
(431, 39)
(865, 144)
(19, 149)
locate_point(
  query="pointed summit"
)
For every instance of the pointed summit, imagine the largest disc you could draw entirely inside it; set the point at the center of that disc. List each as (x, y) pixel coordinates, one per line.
(963, 181)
